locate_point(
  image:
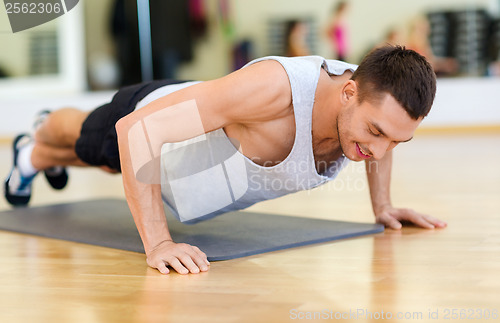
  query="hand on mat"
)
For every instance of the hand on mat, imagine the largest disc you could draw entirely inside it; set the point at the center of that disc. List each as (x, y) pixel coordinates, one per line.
(392, 217)
(182, 257)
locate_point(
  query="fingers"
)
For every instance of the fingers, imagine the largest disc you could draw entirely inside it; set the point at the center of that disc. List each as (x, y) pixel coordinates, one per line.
(178, 267)
(190, 259)
(436, 222)
(389, 221)
(183, 258)
(391, 218)
(160, 265)
(421, 220)
(201, 259)
(162, 268)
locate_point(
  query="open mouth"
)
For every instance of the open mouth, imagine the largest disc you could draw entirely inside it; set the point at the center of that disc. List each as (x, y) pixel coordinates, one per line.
(361, 152)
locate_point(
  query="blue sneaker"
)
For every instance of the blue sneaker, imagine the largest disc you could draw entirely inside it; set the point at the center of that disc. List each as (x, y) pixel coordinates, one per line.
(17, 189)
(56, 176)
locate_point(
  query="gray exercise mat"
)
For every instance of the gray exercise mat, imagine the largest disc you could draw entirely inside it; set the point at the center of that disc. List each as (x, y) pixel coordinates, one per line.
(108, 223)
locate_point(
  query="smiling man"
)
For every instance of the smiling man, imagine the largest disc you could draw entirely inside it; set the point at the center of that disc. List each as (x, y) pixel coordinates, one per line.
(277, 126)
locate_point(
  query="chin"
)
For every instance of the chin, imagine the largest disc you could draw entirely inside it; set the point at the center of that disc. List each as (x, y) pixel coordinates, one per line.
(352, 153)
(349, 153)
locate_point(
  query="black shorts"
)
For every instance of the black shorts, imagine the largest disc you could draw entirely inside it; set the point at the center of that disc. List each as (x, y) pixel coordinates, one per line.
(97, 144)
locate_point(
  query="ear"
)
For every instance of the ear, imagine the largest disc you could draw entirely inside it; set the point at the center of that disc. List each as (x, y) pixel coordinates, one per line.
(349, 91)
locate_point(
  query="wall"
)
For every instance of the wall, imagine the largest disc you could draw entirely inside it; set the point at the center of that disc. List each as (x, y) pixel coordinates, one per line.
(465, 102)
(15, 60)
(71, 77)
(98, 27)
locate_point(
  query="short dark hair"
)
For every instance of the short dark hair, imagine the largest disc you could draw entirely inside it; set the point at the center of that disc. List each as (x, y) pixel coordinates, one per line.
(401, 72)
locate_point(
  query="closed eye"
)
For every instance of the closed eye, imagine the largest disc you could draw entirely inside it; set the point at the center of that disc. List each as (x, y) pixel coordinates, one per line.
(376, 134)
(379, 132)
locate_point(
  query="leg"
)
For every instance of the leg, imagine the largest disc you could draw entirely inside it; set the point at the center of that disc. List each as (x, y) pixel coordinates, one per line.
(53, 145)
(45, 156)
(59, 137)
(55, 139)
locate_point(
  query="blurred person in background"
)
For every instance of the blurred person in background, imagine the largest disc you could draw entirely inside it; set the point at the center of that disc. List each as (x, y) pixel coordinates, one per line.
(337, 31)
(494, 69)
(296, 38)
(494, 66)
(394, 36)
(418, 40)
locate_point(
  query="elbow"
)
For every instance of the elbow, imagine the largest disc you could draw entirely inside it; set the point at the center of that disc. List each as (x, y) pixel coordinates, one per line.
(122, 126)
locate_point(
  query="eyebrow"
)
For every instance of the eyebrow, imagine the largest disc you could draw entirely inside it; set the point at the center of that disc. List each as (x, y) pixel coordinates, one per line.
(376, 126)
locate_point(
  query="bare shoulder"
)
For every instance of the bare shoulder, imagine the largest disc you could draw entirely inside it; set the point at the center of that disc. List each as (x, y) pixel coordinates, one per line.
(269, 76)
(255, 93)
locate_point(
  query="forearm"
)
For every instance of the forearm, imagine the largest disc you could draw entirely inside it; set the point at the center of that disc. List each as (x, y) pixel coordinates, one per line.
(144, 199)
(379, 180)
(145, 203)
(146, 206)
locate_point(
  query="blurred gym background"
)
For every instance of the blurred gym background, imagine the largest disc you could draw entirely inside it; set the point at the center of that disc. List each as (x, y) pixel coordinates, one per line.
(83, 56)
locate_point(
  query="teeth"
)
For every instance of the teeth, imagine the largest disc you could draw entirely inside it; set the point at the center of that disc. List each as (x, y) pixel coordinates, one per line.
(362, 151)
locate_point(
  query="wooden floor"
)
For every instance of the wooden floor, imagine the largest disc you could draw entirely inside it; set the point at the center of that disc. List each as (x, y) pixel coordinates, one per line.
(416, 275)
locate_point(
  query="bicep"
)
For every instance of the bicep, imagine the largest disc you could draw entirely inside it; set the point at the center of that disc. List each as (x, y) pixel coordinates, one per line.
(257, 93)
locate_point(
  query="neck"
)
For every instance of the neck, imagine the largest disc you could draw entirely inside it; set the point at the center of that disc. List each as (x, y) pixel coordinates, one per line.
(327, 106)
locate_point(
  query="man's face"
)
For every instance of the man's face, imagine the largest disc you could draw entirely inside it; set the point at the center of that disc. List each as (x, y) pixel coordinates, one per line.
(370, 129)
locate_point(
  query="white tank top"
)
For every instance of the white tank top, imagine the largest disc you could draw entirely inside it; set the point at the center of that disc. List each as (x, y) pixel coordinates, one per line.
(206, 176)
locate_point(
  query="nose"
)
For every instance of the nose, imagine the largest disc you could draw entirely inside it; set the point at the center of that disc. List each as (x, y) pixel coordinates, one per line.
(380, 147)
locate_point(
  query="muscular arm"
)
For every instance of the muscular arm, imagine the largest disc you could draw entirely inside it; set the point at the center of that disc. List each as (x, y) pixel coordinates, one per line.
(379, 179)
(185, 114)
